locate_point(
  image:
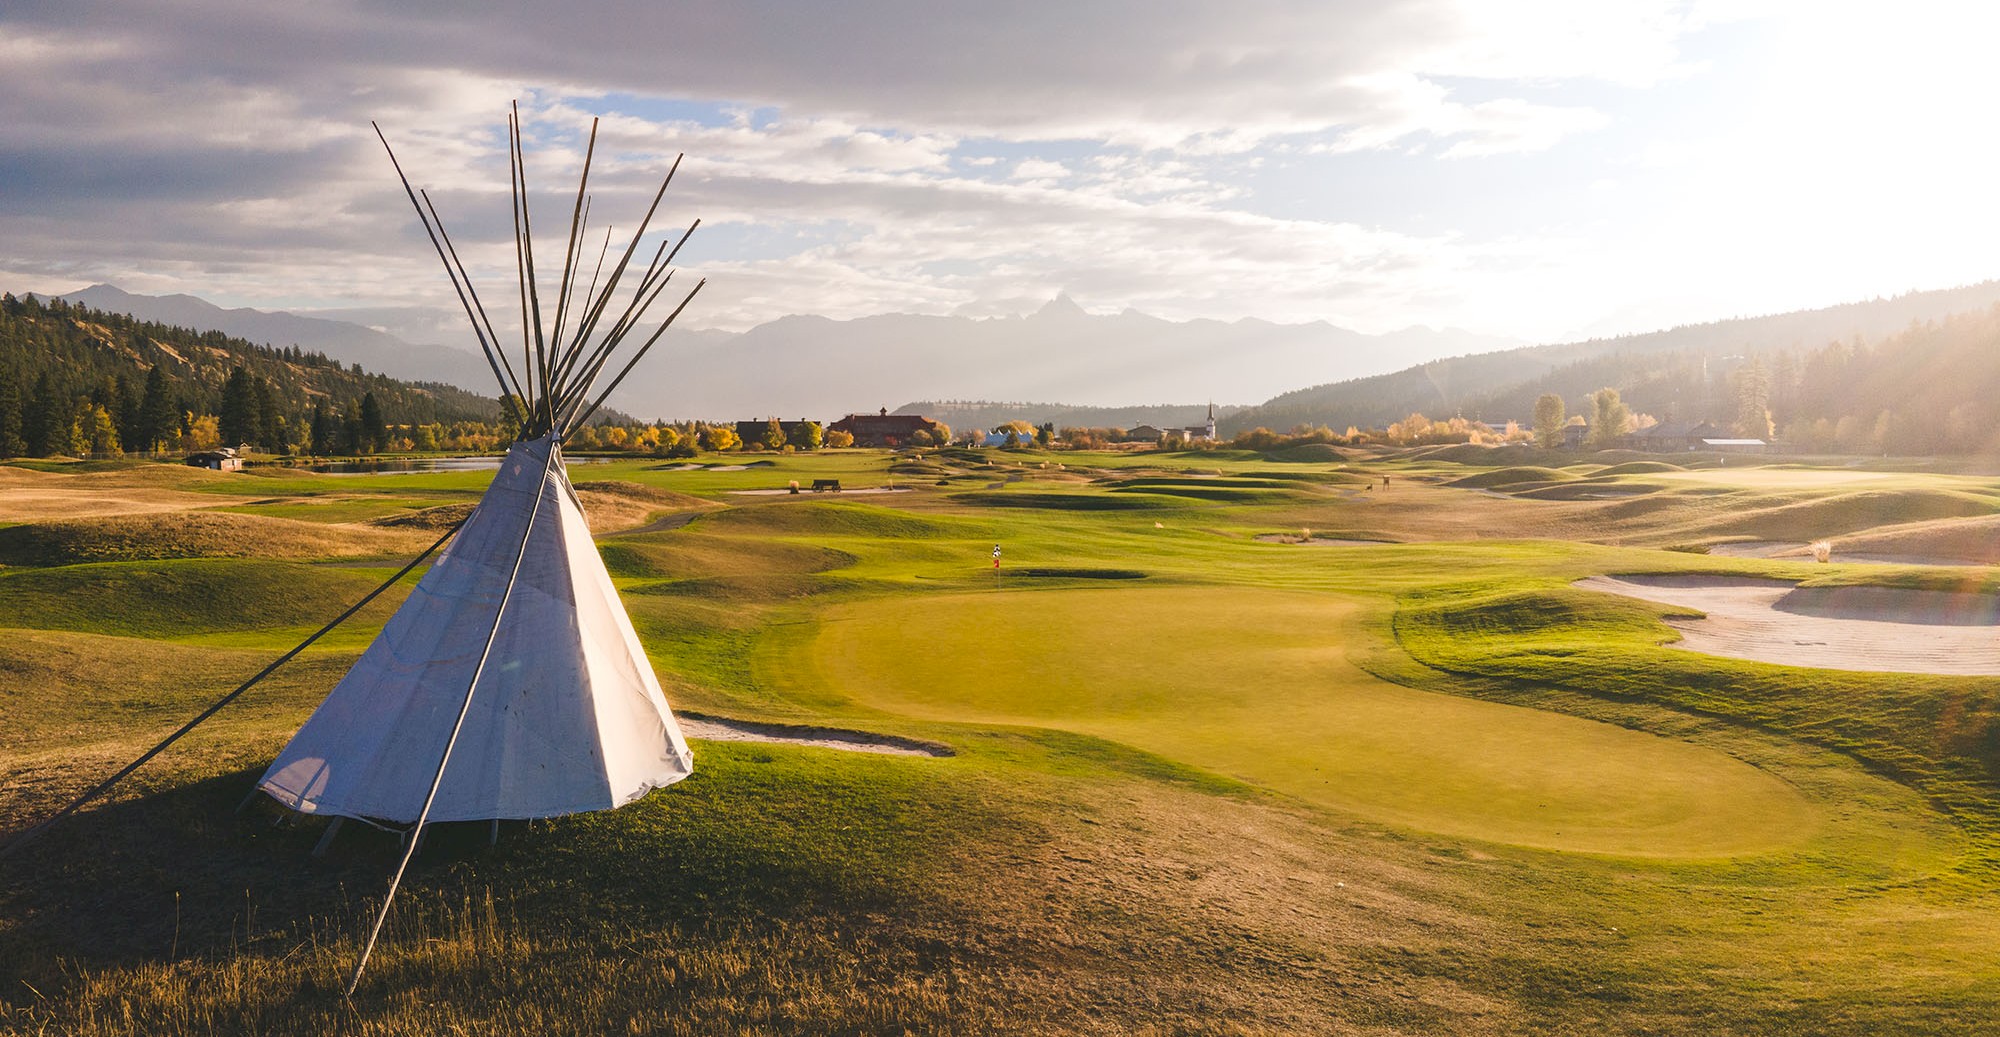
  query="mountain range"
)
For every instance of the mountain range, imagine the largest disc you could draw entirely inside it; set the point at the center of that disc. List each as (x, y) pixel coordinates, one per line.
(1133, 367)
(808, 366)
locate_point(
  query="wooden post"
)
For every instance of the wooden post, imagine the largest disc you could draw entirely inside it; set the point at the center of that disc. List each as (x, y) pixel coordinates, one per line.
(326, 838)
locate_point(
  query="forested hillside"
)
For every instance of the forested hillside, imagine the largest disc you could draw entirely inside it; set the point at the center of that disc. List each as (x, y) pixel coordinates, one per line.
(1840, 364)
(79, 381)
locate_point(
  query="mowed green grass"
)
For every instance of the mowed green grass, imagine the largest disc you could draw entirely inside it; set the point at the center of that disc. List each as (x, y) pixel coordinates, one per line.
(1245, 788)
(1257, 685)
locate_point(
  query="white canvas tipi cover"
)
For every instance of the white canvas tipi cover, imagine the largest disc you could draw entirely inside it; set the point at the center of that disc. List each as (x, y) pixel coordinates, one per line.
(567, 717)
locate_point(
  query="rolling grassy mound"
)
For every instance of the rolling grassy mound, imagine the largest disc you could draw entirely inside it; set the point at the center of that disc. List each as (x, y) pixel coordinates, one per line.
(1422, 789)
(439, 518)
(1290, 713)
(1590, 489)
(1309, 453)
(642, 494)
(1937, 733)
(1235, 491)
(1812, 518)
(179, 598)
(1503, 477)
(1970, 540)
(691, 555)
(1131, 501)
(834, 518)
(195, 534)
(1640, 468)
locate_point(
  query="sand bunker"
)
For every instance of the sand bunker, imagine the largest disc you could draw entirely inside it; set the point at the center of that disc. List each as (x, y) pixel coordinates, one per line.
(1786, 550)
(722, 729)
(1878, 629)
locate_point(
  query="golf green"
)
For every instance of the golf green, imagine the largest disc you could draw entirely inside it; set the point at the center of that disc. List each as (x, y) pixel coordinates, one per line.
(1256, 684)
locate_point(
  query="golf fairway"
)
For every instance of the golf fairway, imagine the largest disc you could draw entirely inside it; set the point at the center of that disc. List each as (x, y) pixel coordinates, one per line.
(1256, 685)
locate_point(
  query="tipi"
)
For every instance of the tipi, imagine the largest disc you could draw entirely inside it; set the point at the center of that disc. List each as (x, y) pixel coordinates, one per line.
(566, 715)
(510, 684)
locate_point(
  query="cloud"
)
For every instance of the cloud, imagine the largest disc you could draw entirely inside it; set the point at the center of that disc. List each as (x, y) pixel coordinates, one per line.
(1001, 153)
(1039, 169)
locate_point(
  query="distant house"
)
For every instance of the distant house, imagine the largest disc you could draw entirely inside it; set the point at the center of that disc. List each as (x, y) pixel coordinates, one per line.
(1735, 446)
(1672, 436)
(1575, 434)
(883, 429)
(999, 439)
(224, 459)
(1200, 433)
(1145, 433)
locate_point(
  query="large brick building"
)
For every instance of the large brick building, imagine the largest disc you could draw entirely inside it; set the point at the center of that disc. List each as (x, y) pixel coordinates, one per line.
(883, 429)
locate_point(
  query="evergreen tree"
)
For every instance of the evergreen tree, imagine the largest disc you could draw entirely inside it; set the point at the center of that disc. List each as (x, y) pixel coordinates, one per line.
(324, 440)
(11, 443)
(46, 417)
(374, 431)
(159, 416)
(353, 434)
(1753, 401)
(238, 414)
(270, 421)
(128, 414)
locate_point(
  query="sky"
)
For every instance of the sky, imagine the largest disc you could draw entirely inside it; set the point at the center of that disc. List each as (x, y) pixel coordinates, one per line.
(1543, 169)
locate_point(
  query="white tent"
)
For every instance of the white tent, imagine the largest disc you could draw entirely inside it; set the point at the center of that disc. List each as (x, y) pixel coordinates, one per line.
(510, 684)
(566, 716)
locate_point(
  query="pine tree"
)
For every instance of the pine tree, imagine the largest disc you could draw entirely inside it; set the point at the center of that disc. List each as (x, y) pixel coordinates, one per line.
(373, 429)
(128, 413)
(353, 433)
(11, 443)
(238, 413)
(159, 417)
(46, 418)
(323, 438)
(270, 422)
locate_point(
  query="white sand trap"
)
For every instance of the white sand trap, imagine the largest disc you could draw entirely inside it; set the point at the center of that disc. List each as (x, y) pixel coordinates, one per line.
(722, 729)
(1878, 629)
(1789, 551)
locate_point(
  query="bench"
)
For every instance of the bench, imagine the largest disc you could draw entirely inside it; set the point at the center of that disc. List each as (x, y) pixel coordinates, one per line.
(822, 485)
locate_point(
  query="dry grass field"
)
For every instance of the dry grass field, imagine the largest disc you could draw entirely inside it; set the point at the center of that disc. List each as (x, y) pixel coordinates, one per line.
(1239, 744)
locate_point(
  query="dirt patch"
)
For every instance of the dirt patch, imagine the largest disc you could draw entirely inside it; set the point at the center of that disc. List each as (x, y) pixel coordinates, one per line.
(723, 729)
(1876, 629)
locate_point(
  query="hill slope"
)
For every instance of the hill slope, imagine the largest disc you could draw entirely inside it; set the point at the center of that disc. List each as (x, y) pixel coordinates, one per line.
(1674, 371)
(55, 358)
